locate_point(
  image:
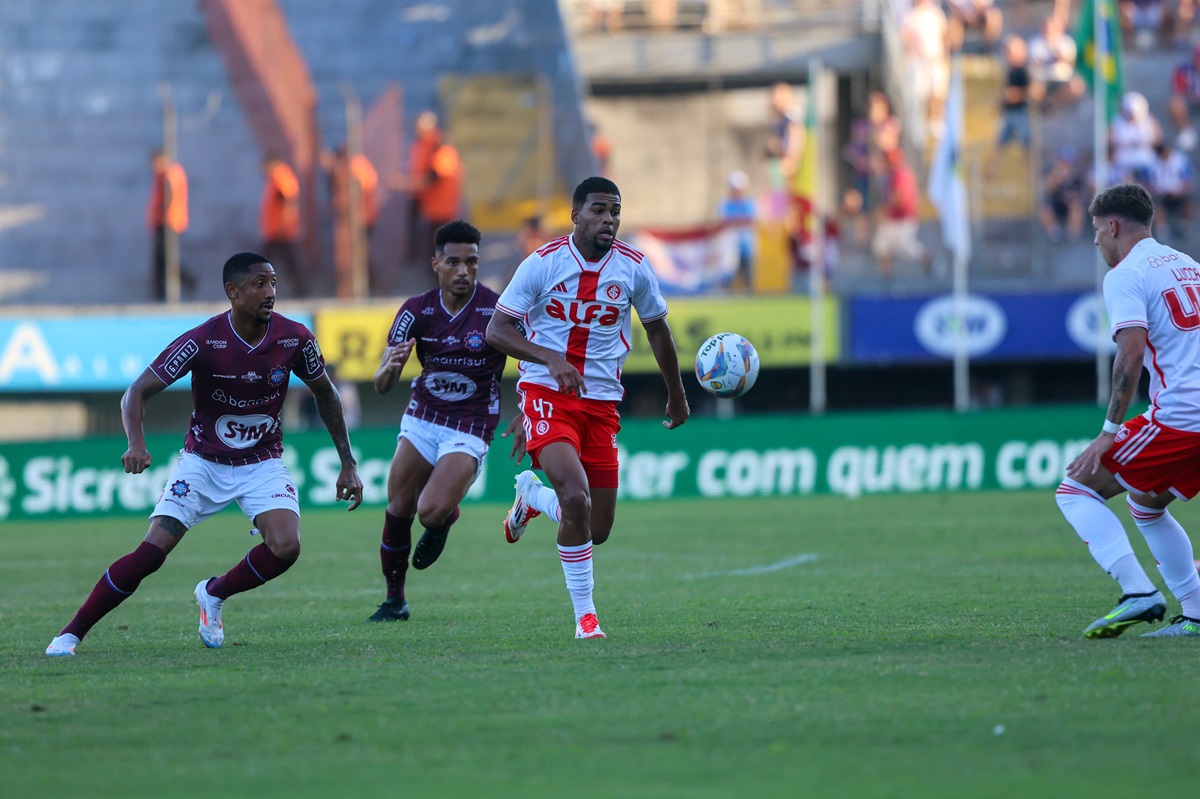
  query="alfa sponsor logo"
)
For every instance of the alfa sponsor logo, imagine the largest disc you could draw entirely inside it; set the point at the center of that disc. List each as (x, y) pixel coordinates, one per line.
(179, 359)
(583, 313)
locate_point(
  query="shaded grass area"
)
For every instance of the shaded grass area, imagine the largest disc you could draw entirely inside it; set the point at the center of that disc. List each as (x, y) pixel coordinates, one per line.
(917, 646)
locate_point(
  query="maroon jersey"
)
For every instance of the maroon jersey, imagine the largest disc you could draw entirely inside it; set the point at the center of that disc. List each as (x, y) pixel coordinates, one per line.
(459, 384)
(237, 389)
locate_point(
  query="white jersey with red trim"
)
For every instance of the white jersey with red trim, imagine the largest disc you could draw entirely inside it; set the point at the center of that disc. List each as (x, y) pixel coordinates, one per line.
(581, 309)
(1158, 288)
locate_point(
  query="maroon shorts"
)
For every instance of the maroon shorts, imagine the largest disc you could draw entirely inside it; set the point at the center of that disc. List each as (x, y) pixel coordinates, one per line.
(1147, 458)
(590, 426)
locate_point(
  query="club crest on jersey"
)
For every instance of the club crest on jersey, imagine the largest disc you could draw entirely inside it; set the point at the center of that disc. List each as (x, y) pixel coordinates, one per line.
(613, 292)
(543, 427)
(583, 313)
(475, 341)
(180, 488)
(277, 375)
(1122, 434)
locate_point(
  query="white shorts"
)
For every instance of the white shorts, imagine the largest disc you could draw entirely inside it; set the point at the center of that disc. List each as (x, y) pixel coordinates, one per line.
(198, 489)
(434, 441)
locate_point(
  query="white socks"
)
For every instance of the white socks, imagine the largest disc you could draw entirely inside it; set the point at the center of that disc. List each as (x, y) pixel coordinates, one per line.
(545, 499)
(1172, 549)
(1106, 540)
(577, 568)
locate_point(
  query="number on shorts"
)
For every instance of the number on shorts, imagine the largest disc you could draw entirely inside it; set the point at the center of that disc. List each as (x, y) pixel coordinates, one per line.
(543, 409)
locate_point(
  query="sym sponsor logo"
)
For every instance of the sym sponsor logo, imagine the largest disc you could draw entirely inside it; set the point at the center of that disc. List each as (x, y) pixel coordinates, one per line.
(1087, 324)
(403, 324)
(242, 432)
(177, 360)
(449, 386)
(985, 325)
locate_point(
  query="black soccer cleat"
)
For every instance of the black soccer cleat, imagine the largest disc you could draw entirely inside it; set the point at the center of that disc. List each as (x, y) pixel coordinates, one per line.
(391, 610)
(429, 548)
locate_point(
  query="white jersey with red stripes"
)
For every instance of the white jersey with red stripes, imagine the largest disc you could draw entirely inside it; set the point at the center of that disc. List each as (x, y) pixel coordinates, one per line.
(1158, 288)
(582, 310)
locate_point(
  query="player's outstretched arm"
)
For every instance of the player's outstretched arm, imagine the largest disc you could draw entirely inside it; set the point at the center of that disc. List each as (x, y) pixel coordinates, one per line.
(662, 344)
(133, 413)
(329, 407)
(505, 334)
(392, 365)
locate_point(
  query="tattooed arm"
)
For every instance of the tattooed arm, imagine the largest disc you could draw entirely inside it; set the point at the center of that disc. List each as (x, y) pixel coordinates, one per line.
(1127, 371)
(329, 407)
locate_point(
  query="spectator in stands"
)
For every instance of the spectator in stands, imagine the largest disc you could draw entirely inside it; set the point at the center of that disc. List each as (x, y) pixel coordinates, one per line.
(898, 218)
(925, 33)
(1143, 20)
(1063, 206)
(1171, 182)
(1111, 174)
(279, 223)
(601, 150)
(1014, 101)
(855, 201)
(606, 15)
(166, 211)
(785, 142)
(1132, 136)
(347, 173)
(664, 14)
(435, 182)
(1052, 57)
(738, 214)
(1185, 95)
(979, 14)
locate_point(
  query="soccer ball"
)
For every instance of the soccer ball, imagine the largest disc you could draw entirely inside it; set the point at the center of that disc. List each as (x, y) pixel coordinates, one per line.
(727, 365)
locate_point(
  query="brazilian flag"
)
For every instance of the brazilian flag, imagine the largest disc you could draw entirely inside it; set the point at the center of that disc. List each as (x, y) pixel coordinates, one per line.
(1111, 74)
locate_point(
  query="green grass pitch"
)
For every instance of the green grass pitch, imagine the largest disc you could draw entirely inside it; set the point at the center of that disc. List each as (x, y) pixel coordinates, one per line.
(903, 646)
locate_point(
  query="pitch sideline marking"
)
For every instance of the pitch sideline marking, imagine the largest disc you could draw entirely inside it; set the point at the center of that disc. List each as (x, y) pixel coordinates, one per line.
(808, 557)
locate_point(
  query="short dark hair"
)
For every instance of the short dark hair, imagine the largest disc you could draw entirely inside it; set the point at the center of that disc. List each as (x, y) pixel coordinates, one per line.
(593, 185)
(1127, 200)
(456, 232)
(238, 265)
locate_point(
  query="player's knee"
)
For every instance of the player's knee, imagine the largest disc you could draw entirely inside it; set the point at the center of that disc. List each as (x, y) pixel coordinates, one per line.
(434, 514)
(576, 505)
(287, 550)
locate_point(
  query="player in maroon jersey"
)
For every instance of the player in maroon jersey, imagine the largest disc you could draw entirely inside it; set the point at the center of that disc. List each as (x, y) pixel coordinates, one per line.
(452, 414)
(240, 362)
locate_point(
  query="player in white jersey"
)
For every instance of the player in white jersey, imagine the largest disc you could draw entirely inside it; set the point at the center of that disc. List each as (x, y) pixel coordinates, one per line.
(1152, 296)
(566, 315)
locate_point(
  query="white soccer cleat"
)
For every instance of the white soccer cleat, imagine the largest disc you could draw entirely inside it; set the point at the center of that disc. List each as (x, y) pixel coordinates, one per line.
(521, 512)
(212, 631)
(62, 645)
(588, 626)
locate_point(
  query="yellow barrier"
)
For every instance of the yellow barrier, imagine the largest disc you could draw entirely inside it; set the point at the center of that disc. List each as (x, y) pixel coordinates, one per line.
(779, 327)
